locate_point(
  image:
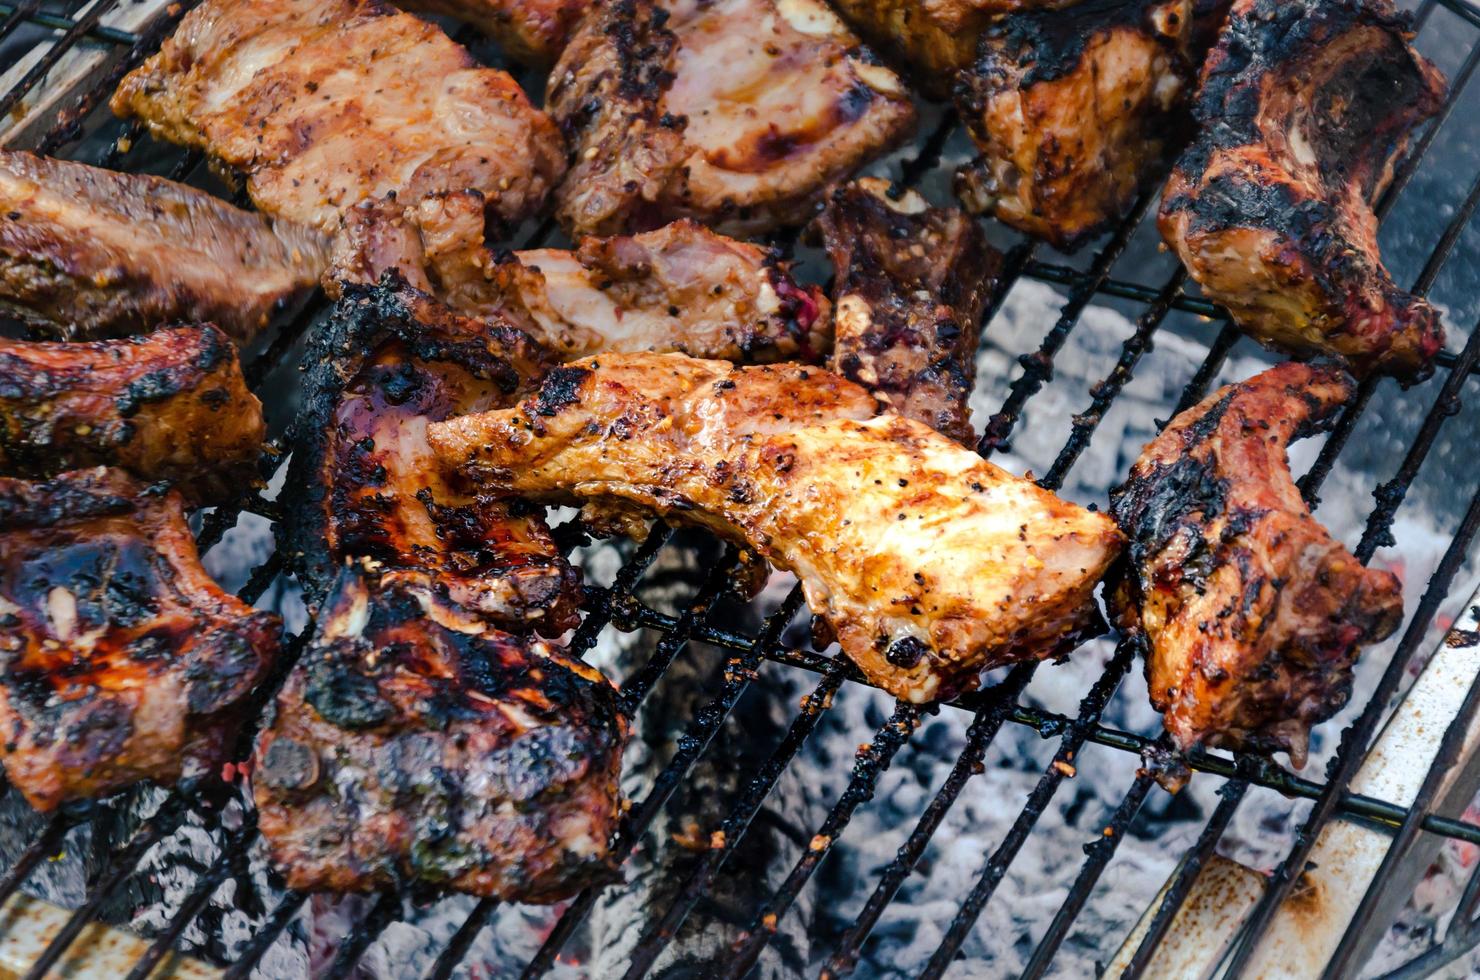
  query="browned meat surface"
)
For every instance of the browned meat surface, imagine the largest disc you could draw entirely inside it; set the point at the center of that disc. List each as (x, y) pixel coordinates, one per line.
(322, 104)
(929, 563)
(909, 286)
(413, 741)
(678, 288)
(120, 660)
(362, 481)
(92, 253)
(734, 112)
(171, 405)
(1305, 108)
(1251, 613)
(529, 30)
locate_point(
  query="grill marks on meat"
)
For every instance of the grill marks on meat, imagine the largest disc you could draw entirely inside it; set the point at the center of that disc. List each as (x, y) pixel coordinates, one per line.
(326, 103)
(1252, 614)
(1074, 111)
(929, 563)
(1305, 108)
(910, 285)
(120, 660)
(529, 30)
(415, 742)
(171, 405)
(363, 482)
(87, 252)
(657, 131)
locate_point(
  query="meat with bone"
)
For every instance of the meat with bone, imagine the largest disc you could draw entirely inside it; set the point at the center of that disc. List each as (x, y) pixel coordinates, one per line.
(929, 563)
(86, 252)
(1251, 613)
(363, 483)
(737, 113)
(1305, 108)
(677, 288)
(171, 405)
(321, 104)
(120, 659)
(909, 287)
(414, 741)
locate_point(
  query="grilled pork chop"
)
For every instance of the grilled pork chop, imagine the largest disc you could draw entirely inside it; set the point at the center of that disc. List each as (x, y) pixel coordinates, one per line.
(171, 405)
(929, 563)
(120, 660)
(1252, 614)
(736, 113)
(322, 104)
(1305, 108)
(529, 30)
(909, 286)
(413, 741)
(91, 253)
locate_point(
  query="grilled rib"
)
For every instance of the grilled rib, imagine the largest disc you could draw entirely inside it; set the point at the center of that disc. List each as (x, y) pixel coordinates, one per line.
(736, 113)
(909, 286)
(322, 104)
(1252, 614)
(91, 253)
(1305, 108)
(362, 481)
(531, 31)
(171, 405)
(412, 741)
(929, 563)
(120, 660)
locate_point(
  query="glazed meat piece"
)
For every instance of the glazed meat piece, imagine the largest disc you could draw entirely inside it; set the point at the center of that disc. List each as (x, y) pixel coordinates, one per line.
(413, 741)
(171, 405)
(1252, 615)
(1305, 108)
(678, 288)
(322, 104)
(909, 287)
(362, 481)
(929, 563)
(92, 253)
(529, 30)
(120, 659)
(657, 130)
(1074, 112)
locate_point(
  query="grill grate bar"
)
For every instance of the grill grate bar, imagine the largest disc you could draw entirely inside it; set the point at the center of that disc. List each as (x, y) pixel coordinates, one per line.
(204, 888)
(30, 12)
(60, 47)
(266, 937)
(387, 906)
(43, 846)
(17, 15)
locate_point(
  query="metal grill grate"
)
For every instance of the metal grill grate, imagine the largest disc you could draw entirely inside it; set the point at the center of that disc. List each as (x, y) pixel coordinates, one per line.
(59, 31)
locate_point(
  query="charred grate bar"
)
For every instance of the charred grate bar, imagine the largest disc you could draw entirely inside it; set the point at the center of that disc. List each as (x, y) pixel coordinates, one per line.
(59, 33)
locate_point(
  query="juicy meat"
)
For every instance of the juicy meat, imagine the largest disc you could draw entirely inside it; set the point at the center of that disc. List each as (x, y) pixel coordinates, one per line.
(171, 405)
(362, 481)
(1305, 108)
(415, 742)
(120, 660)
(909, 287)
(1074, 112)
(1251, 613)
(98, 253)
(529, 30)
(928, 563)
(322, 104)
(678, 288)
(734, 112)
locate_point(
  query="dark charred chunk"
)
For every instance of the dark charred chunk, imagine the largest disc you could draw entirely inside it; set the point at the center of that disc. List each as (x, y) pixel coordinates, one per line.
(561, 387)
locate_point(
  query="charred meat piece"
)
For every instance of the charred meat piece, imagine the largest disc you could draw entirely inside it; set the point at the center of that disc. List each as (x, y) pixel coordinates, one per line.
(929, 563)
(736, 113)
(171, 405)
(120, 660)
(678, 288)
(363, 483)
(1305, 108)
(910, 284)
(531, 31)
(413, 741)
(1074, 112)
(1251, 613)
(91, 253)
(322, 104)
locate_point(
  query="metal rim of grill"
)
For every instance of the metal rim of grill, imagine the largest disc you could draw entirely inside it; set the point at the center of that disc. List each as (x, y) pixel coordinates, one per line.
(991, 708)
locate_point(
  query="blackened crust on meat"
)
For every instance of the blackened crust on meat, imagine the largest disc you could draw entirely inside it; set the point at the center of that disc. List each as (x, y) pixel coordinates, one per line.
(1049, 44)
(413, 743)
